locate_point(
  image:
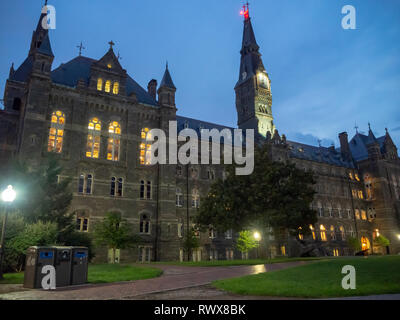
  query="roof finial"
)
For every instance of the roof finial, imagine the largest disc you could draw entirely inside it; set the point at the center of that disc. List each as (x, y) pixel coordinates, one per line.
(356, 127)
(80, 47)
(369, 126)
(166, 66)
(111, 43)
(45, 3)
(387, 131)
(245, 11)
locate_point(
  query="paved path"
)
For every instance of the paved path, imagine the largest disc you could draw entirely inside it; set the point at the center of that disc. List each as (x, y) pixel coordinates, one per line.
(173, 278)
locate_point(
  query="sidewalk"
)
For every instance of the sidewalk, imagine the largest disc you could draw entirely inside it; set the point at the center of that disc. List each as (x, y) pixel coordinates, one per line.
(173, 278)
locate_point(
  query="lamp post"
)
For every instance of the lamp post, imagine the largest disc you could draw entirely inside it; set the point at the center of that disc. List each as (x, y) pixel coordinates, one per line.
(257, 237)
(8, 196)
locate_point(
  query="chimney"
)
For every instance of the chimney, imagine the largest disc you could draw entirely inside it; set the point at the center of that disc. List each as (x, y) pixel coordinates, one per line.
(152, 88)
(344, 145)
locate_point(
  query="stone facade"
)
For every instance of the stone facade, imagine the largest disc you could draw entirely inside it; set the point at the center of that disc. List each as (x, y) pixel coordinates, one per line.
(358, 184)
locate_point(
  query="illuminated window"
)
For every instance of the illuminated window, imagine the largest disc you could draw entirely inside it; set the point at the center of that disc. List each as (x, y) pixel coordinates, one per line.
(357, 213)
(109, 66)
(301, 237)
(336, 252)
(93, 139)
(114, 140)
(354, 193)
(116, 88)
(360, 194)
(323, 232)
(145, 147)
(56, 134)
(351, 176)
(195, 199)
(107, 87)
(82, 224)
(342, 232)
(179, 197)
(356, 177)
(283, 250)
(144, 224)
(99, 84)
(312, 231)
(363, 215)
(333, 233)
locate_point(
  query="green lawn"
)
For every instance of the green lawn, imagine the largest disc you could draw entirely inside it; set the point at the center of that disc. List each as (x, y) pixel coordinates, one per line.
(374, 275)
(101, 273)
(222, 263)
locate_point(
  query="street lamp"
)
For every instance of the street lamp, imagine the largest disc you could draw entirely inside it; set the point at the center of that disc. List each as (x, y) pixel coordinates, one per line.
(257, 237)
(8, 196)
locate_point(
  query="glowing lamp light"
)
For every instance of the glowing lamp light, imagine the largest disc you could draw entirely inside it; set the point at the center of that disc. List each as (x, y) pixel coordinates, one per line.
(8, 195)
(257, 236)
(398, 236)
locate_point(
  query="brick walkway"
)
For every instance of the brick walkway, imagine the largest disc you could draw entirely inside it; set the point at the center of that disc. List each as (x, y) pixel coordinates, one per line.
(173, 278)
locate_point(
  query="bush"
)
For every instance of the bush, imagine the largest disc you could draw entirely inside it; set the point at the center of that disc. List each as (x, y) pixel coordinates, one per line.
(20, 236)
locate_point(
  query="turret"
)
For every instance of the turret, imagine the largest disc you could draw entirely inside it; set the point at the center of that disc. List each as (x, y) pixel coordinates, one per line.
(166, 92)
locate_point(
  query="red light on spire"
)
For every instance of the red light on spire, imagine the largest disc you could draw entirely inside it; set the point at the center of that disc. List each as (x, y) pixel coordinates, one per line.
(245, 11)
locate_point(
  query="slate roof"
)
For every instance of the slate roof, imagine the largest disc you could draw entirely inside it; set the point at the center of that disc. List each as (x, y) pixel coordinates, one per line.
(167, 80)
(358, 145)
(318, 154)
(22, 73)
(45, 47)
(69, 73)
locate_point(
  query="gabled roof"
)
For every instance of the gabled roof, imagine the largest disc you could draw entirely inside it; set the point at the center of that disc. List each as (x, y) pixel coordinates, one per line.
(22, 73)
(358, 145)
(70, 73)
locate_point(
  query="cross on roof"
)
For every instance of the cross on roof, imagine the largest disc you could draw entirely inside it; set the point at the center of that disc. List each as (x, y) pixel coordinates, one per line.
(111, 43)
(80, 47)
(356, 127)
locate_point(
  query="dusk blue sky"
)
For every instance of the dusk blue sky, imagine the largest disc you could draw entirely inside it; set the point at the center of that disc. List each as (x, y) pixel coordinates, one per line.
(324, 79)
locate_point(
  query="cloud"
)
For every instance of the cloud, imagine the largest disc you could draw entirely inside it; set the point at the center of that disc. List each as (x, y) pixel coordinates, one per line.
(308, 138)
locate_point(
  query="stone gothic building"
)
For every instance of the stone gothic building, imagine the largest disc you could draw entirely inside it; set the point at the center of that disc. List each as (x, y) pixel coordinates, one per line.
(94, 117)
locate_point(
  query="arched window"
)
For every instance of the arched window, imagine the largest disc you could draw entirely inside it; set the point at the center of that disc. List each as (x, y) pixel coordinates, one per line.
(116, 88)
(99, 84)
(81, 183)
(179, 197)
(112, 189)
(148, 190)
(357, 213)
(56, 134)
(333, 233)
(93, 139)
(363, 215)
(142, 189)
(312, 231)
(195, 198)
(107, 87)
(342, 232)
(350, 231)
(89, 183)
(322, 232)
(301, 236)
(114, 140)
(144, 224)
(145, 147)
(368, 186)
(120, 187)
(16, 104)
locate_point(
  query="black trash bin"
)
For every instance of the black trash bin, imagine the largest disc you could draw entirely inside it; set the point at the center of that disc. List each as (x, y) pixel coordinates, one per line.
(36, 259)
(63, 265)
(80, 259)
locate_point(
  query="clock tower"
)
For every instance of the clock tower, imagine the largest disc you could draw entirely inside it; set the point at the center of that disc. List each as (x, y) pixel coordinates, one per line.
(253, 89)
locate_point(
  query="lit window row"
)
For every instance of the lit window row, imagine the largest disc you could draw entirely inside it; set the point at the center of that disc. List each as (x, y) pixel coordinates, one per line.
(145, 147)
(107, 86)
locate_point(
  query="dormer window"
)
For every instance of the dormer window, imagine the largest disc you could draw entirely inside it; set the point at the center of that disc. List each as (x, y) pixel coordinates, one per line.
(109, 66)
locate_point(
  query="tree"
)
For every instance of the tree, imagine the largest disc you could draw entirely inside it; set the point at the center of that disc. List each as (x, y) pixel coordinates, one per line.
(190, 242)
(115, 233)
(354, 244)
(42, 196)
(381, 241)
(246, 242)
(276, 195)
